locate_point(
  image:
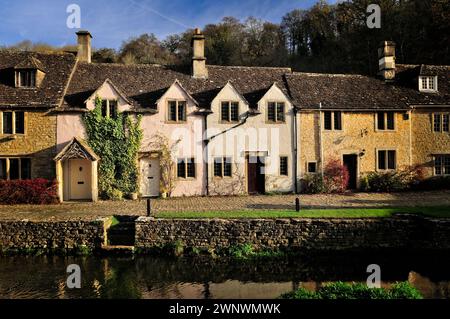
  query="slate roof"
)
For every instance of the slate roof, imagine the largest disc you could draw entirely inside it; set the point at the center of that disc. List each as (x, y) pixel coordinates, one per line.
(359, 92)
(57, 67)
(145, 84)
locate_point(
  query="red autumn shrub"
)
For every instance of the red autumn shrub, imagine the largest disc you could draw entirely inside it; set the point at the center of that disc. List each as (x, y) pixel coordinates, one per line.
(32, 191)
(335, 177)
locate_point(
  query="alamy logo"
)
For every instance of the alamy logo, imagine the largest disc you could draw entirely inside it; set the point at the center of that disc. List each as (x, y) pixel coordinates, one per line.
(74, 19)
(374, 19)
(374, 279)
(74, 279)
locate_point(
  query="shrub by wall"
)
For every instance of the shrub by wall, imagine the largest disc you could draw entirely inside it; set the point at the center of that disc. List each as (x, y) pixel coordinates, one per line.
(33, 191)
(335, 179)
(340, 290)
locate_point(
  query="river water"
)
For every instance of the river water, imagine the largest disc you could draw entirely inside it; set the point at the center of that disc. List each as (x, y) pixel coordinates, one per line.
(163, 277)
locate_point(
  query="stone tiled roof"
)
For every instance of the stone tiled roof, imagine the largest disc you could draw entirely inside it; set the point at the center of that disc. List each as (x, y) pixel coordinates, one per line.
(358, 92)
(145, 84)
(57, 67)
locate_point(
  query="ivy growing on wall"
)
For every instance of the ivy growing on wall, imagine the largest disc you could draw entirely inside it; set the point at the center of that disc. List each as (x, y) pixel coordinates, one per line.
(117, 142)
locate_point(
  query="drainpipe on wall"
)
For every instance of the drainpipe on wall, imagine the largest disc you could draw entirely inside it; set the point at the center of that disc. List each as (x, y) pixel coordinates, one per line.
(295, 152)
(206, 142)
(410, 137)
(320, 138)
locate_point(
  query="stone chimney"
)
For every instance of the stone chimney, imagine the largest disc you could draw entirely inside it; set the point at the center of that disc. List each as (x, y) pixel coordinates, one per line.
(84, 46)
(386, 60)
(199, 69)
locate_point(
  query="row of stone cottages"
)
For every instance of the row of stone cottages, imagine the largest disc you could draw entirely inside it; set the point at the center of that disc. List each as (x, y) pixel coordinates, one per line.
(242, 129)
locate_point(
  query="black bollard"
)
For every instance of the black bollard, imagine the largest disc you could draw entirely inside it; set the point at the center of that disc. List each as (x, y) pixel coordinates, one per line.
(148, 208)
(297, 204)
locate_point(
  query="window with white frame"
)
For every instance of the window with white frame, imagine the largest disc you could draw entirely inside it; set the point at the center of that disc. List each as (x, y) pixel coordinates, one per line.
(109, 108)
(15, 168)
(284, 168)
(276, 112)
(441, 122)
(177, 111)
(26, 78)
(12, 122)
(387, 160)
(222, 167)
(428, 83)
(385, 121)
(229, 111)
(186, 168)
(312, 167)
(332, 120)
(442, 164)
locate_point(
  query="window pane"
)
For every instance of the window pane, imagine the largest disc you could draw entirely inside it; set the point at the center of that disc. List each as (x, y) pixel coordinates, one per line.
(381, 159)
(391, 159)
(3, 168)
(181, 168)
(191, 168)
(7, 123)
(227, 166)
(113, 109)
(438, 161)
(225, 112)
(181, 111)
(327, 120)
(447, 165)
(104, 108)
(271, 112)
(284, 165)
(337, 120)
(380, 120)
(218, 166)
(437, 122)
(280, 112)
(25, 168)
(390, 120)
(172, 111)
(431, 83)
(424, 83)
(445, 122)
(20, 122)
(312, 167)
(14, 168)
(234, 111)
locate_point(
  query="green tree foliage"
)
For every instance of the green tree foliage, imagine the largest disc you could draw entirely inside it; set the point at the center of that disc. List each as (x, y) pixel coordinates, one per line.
(324, 38)
(117, 142)
(105, 55)
(145, 49)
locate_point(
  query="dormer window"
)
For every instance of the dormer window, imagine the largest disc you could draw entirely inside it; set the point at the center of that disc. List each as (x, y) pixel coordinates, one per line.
(109, 108)
(25, 78)
(428, 83)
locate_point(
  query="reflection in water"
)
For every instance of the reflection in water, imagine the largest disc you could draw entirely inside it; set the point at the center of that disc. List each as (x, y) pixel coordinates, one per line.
(152, 277)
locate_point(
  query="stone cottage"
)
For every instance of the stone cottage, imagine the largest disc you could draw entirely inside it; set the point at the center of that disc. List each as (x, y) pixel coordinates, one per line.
(235, 130)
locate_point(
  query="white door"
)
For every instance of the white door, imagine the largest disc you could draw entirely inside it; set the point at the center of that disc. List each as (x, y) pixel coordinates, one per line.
(80, 179)
(150, 174)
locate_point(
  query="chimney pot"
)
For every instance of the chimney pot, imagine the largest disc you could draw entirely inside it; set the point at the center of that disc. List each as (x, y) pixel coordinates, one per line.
(84, 46)
(199, 69)
(386, 60)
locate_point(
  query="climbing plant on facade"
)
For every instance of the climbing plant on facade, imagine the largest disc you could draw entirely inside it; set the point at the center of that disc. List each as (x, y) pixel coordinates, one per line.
(117, 141)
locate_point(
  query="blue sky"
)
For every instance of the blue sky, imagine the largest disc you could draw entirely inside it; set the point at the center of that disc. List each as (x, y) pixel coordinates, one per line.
(113, 21)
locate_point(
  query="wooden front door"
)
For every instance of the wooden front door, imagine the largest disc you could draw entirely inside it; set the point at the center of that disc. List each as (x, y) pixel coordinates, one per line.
(351, 162)
(80, 179)
(255, 175)
(150, 175)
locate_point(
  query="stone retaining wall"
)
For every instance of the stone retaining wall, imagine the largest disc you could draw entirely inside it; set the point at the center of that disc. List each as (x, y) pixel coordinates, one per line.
(22, 235)
(317, 234)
